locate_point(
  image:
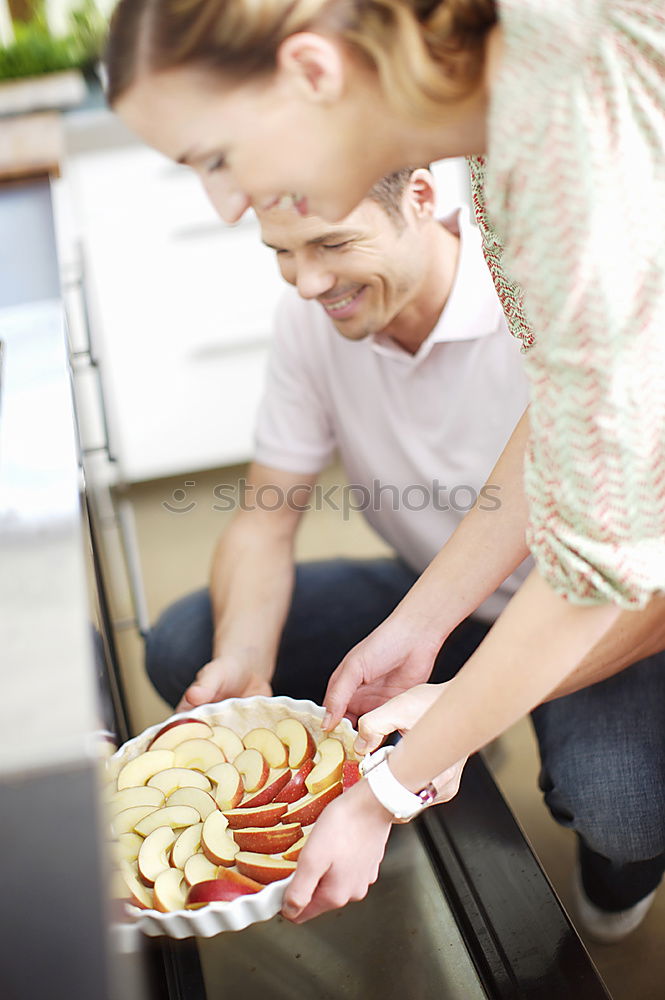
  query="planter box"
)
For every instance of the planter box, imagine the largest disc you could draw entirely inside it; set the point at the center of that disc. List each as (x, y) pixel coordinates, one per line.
(41, 93)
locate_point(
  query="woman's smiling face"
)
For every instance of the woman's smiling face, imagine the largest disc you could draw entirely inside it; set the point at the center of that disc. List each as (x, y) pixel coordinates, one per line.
(253, 143)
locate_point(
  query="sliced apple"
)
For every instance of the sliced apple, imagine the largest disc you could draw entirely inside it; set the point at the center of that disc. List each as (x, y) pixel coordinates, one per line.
(202, 801)
(329, 768)
(126, 847)
(307, 810)
(139, 894)
(170, 891)
(187, 843)
(350, 773)
(178, 777)
(198, 754)
(176, 732)
(198, 869)
(269, 745)
(293, 852)
(298, 739)
(138, 771)
(233, 875)
(228, 783)
(254, 769)
(125, 821)
(268, 840)
(154, 853)
(118, 887)
(173, 816)
(275, 782)
(215, 891)
(139, 795)
(258, 816)
(216, 840)
(264, 868)
(296, 787)
(228, 742)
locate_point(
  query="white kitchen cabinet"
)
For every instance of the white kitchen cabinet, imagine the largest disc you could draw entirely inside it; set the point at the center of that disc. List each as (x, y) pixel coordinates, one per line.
(179, 305)
(179, 309)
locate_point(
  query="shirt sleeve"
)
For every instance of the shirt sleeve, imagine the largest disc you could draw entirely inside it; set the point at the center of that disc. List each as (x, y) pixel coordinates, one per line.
(294, 429)
(575, 189)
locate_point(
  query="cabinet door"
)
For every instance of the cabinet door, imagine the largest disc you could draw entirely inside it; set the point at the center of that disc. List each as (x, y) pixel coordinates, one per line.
(180, 310)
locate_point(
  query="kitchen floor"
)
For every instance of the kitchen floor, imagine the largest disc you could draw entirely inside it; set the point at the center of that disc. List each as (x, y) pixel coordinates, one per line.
(175, 546)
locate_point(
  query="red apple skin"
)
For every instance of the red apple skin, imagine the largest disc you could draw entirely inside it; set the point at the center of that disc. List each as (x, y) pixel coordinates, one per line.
(296, 787)
(215, 890)
(259, 867)
(350, 773)
(233, 875)
(170, 725)
(268, 840)
(259, 816)
(311, 809)
(270, 792)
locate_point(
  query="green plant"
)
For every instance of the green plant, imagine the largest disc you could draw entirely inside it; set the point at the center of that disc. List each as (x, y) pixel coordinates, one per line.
(35, 51)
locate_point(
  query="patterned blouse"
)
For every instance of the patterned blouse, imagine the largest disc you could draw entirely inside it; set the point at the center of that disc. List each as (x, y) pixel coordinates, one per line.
(574, 183)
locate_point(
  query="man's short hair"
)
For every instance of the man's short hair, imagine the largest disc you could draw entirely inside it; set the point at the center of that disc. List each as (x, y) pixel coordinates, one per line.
(389, 190)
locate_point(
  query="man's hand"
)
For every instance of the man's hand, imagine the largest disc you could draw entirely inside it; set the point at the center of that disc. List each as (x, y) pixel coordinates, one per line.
(392, 659)
(223, 677)
(399, 715)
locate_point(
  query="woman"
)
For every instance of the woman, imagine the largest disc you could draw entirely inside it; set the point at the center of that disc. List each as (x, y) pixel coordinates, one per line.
(318, 99)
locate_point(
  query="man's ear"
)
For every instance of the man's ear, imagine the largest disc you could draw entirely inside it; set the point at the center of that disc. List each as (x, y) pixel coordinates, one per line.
(420, 194)
(313, 64)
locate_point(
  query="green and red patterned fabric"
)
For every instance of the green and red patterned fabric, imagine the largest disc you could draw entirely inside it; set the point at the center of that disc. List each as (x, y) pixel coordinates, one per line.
(571, 205)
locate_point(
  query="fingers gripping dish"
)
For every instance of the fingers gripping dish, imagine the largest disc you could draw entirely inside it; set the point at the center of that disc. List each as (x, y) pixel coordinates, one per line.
(212, 808)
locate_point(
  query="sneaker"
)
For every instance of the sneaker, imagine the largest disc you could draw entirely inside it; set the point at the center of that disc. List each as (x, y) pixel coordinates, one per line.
(607, 926)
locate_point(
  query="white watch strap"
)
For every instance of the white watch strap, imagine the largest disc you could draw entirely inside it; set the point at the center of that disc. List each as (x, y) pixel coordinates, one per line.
(392, 795)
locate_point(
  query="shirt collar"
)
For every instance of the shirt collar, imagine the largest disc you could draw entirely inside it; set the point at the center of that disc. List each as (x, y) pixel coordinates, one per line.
(473, 309)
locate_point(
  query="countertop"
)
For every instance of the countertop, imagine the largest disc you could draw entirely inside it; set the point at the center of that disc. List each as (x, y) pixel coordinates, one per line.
(48, 705)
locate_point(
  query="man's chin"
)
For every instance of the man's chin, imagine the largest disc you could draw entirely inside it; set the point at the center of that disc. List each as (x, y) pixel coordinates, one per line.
(352, 331)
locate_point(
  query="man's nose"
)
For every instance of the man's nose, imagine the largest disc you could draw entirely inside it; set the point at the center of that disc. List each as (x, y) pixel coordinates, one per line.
(313, 280)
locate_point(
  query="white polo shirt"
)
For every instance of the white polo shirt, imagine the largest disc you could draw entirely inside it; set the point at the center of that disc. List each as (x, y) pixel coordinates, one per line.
(419, 434)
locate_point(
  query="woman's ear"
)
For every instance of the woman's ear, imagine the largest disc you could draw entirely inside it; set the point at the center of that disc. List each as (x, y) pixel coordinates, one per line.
(314, 65)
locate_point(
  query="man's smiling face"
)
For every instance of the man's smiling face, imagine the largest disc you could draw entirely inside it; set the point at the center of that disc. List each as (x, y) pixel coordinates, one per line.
(363, 270)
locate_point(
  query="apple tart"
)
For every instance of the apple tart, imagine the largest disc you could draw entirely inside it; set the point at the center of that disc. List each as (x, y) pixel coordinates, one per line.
(208, 811)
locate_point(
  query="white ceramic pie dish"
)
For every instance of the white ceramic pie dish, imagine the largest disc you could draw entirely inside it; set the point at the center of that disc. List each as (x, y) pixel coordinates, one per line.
(241, 715)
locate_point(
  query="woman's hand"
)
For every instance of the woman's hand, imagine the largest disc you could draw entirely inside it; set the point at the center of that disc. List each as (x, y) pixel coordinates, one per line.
(392, 659)
(399, 715)
(342, 855)
(223, 677)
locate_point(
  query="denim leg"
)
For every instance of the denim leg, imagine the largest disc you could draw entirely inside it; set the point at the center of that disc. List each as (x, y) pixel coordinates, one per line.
(603, 775)
(458, 647)
(179, 644)
(335, 604)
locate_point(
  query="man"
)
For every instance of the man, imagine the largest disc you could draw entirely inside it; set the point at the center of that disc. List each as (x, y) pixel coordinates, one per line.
(394, 352)
(419, 395)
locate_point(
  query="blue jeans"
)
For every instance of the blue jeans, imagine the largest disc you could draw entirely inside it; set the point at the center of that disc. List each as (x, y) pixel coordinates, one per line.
(602, 749)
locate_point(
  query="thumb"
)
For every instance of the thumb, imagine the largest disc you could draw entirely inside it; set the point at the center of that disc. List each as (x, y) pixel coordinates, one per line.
(205, 688)
(374, 726)
(398, 714)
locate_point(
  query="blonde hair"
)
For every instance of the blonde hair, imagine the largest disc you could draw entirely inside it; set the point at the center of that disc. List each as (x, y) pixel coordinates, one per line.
(424, 53)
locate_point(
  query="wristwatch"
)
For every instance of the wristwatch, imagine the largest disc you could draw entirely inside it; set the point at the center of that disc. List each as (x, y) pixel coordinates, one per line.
(392, 795)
